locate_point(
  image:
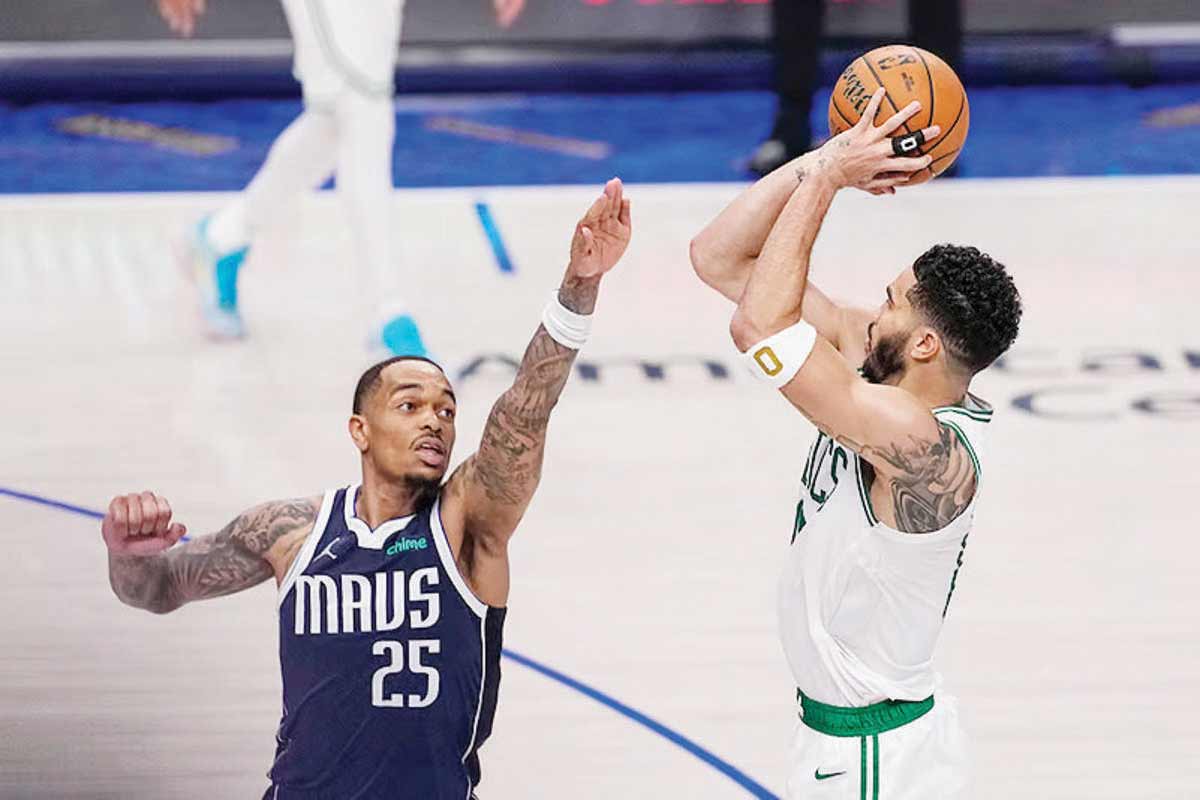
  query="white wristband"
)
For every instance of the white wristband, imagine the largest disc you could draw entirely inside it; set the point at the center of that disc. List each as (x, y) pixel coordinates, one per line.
(776, 359)
(564, 325)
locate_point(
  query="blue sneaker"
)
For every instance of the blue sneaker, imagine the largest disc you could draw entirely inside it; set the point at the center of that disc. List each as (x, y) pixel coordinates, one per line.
(215, 276)
(401, 336)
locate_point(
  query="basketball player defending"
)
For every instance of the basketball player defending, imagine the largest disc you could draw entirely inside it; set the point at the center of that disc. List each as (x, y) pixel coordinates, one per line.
(392, 592)
(890, 485)
(345, 58)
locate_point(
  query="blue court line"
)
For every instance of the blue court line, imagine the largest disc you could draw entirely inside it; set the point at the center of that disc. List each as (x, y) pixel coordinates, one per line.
(46, 501)
(493, 234)
(59, 504)
(724, 767)
(720, 765)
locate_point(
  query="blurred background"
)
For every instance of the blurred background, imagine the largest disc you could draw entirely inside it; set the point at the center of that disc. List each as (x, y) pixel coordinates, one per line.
(683, 87)
(642, 571)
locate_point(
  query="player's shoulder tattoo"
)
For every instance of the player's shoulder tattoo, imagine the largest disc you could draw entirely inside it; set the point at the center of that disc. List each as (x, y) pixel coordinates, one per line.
(932, 479)
(260, 527)
(234, 558)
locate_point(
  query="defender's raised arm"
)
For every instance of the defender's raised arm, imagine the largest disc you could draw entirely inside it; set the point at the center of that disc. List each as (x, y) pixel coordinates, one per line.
(489, 493)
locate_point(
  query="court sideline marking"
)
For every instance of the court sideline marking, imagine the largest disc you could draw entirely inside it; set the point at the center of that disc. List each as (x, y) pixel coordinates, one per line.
(753, 787)
(492, 232)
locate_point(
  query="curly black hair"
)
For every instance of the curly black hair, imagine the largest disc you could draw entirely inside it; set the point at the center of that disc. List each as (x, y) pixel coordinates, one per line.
(970, 300)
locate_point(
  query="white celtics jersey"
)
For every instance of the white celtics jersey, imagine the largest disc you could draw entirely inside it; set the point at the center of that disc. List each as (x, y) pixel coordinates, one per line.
(861, 604)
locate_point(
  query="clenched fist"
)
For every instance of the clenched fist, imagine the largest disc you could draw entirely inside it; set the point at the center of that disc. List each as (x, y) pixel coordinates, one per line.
(140, 525)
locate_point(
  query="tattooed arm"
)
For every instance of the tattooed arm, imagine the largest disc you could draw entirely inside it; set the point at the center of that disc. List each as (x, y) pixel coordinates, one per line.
(927, 470)
(925, 466)
(146, 571)
(487, 496)
(497, 483)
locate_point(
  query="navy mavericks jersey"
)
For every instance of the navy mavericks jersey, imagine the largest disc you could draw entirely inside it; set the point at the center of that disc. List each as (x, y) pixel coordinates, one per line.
(391, 665)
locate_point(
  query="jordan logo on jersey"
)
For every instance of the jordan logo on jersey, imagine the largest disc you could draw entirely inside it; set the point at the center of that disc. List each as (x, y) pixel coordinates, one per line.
(338, 547)
(354, 603)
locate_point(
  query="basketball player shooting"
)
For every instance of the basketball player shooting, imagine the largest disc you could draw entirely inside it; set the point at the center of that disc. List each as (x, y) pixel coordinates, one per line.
(345, 61)
(391, 593)
(890, 485)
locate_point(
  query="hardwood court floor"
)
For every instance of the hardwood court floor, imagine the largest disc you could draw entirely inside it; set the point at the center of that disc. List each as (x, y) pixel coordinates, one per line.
(646, 567)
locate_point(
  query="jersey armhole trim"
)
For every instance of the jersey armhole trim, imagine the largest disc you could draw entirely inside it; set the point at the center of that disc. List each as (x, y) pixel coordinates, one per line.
(983, 415)
(962, 437)
(479, 703)
(863, 494)
(308, 548)
(891, 533)
(450, 565)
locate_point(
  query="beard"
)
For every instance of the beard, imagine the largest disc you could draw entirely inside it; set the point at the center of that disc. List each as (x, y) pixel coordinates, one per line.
(885, 359)
(423, 490)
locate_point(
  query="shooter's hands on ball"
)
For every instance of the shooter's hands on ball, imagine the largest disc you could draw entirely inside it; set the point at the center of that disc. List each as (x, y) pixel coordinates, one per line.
(140, 525)
(868, 158)
(181, 14)
(602, 235)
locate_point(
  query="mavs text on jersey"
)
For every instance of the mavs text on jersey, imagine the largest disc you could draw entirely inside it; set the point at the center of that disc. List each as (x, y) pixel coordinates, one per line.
(391, 665)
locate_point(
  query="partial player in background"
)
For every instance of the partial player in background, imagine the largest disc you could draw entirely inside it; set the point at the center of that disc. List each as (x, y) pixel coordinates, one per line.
(889, 487)
(345, 60)
(392, 592)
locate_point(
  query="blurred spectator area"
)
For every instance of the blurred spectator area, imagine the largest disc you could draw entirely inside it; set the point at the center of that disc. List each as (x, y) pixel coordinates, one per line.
(120, 48)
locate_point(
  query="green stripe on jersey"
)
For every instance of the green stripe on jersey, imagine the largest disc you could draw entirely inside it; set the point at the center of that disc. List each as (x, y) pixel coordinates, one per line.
(978, 416)
(962, 549)
(875, 767)
(962, 437)
(862, 768)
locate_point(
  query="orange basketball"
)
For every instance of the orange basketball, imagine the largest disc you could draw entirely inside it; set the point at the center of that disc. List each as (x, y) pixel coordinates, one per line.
(907, 73)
